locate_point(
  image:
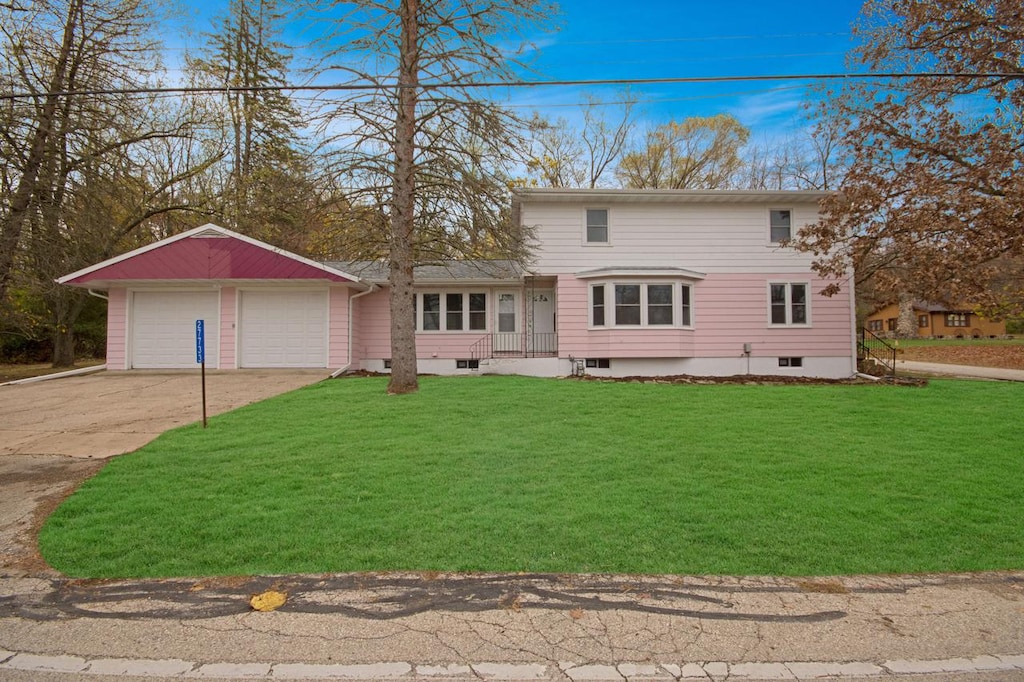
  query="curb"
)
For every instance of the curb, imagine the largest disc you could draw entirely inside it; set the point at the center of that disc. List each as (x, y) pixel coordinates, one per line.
(707, 670)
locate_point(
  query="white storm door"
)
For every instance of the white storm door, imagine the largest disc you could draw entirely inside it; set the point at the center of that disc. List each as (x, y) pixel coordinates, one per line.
(283, 328)
(543, 339)
(506, 322)
(164, 328)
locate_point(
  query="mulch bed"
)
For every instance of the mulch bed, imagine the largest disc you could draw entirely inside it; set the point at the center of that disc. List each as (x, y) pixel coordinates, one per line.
(754, 380)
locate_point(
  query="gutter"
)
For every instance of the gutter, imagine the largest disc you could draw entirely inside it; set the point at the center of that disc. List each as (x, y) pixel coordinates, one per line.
(341, 370)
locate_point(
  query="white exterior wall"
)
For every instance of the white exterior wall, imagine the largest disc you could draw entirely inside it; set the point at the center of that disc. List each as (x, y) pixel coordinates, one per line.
(707, 238)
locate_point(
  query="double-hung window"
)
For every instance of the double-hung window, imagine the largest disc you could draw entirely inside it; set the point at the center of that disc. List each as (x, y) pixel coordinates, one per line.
(780, 224)
(451, 311)
(597, 305)
(597, 226)
(641, 304)
(789, 304)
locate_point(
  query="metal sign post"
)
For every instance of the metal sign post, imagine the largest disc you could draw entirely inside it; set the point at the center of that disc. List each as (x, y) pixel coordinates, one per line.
(201, 359)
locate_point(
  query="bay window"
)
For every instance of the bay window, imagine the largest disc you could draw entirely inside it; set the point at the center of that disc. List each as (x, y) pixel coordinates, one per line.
(641, 304)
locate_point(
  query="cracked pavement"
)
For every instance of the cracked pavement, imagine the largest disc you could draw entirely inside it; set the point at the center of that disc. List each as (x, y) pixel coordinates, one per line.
(442, 626)
(569, 627)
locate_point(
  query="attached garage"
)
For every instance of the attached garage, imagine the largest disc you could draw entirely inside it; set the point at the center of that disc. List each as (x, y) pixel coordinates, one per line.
(283, 328)
(263, 307)
(163, 328)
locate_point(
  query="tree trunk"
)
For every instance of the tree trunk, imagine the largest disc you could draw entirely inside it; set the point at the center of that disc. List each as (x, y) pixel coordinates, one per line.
(64, 346)
(67, 307)
(403, 207)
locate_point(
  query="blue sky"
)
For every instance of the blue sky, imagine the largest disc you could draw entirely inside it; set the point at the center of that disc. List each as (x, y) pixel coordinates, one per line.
(600, 39)
(687, 38)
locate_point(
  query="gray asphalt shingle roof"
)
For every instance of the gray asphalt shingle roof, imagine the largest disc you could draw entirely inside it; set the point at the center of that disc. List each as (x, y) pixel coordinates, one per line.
(375, 271)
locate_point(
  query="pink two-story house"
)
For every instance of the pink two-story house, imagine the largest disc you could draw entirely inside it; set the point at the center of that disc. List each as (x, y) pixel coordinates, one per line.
(622, 283)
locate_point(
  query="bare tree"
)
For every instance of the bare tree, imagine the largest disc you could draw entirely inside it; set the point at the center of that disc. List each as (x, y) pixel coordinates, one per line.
(423, 147)
(698, 153)
(267, 175)
(26, 141)
(82, 162)
(805, 160)
(566, 156)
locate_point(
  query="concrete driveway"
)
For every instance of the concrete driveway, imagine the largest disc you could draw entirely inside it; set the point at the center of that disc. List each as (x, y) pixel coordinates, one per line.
(111, 413)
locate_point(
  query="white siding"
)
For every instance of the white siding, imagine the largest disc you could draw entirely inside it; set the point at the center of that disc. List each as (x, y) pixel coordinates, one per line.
(709, 238)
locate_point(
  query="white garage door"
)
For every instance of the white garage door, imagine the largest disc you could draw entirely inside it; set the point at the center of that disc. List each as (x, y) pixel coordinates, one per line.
(284, 328)
(164, 328)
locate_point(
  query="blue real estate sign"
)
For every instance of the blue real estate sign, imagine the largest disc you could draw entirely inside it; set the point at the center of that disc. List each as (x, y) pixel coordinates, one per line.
(200, 343)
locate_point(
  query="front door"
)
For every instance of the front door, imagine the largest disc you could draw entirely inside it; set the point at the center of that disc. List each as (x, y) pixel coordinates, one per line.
(543, 339)
(506, 323)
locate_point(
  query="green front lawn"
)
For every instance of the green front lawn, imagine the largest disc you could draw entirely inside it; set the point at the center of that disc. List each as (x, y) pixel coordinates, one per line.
(523, 474)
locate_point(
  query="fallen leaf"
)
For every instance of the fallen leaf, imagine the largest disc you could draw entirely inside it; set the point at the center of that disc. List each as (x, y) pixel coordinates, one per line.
(576, 614)
(270, 600)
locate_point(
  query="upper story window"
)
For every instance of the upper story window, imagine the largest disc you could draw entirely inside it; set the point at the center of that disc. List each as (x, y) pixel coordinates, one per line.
(780, 224)
(641, 304)
(597, 225)
(789, 304)
(451, 311)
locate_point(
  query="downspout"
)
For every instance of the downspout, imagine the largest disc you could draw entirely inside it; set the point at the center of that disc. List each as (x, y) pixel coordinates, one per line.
(98, 295)
(341, 370)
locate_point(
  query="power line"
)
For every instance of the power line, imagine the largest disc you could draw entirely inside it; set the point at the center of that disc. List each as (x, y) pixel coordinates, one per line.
(356, 87)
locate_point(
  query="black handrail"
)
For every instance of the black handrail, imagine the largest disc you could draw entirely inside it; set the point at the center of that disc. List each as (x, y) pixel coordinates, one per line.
(515, 345)
(877, 349)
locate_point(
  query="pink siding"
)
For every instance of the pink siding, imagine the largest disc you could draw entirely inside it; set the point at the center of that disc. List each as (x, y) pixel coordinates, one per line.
(728, 311)
(208, 258)
(374, 326)
(337, 338)
(228, 334)
(374, 339)
(117, 328)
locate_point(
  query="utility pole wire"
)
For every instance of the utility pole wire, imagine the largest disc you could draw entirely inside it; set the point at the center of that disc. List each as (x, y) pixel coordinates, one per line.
(506, 84)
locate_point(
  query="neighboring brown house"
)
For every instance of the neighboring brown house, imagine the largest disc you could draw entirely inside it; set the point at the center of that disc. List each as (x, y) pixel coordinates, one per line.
(936, 319)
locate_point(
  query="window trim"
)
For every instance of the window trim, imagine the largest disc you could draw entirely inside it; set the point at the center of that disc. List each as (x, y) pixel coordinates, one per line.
(586, 226)
(466, 311)
(768, 220)
(789, 324)
(608, 303)
(959, 320)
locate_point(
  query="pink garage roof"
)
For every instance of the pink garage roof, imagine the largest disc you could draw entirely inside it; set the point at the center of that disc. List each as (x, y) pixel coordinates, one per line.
(209, 252)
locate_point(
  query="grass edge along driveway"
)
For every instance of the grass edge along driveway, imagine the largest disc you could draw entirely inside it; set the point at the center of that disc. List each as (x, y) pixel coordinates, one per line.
(523, 474)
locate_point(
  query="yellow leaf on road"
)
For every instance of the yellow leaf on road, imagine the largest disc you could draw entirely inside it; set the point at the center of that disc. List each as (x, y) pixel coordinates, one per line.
(268, 601)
